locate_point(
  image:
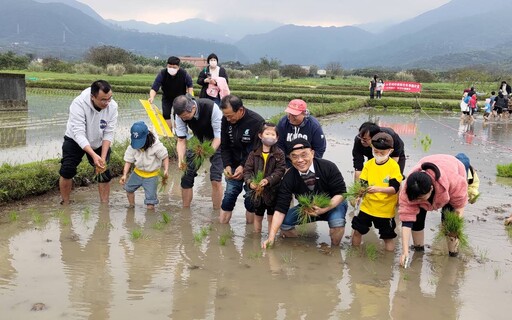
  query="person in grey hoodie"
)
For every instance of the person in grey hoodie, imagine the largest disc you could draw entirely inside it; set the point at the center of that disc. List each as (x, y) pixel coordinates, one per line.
(90, 131)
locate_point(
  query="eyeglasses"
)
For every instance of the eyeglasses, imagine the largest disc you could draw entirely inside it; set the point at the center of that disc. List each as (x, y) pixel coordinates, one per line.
(298, 156)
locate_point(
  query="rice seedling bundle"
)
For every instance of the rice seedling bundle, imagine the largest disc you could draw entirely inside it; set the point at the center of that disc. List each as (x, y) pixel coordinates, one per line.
(256, 179)
(307, 204)
(202, 151)
(453, 226)
(355, 191)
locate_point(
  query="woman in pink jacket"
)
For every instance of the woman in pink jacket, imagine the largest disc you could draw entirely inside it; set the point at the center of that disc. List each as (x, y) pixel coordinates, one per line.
(436, 182)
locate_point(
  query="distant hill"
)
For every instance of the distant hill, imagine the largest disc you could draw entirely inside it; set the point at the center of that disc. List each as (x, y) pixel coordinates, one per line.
(60, 30)
(80, 6)
(227, 31)
(305, 45)
(460, 28)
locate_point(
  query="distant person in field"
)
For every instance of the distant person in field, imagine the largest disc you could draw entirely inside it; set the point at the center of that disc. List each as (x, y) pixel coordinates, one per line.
(298, 123)
(362, 147)
(505, 88)
(500, 103)
(90, 131)
(373, 86)
(210, 82)
(174, 81)
(379, 88)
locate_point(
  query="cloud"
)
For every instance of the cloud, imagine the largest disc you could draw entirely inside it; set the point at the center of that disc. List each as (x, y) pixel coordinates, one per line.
(301, 12)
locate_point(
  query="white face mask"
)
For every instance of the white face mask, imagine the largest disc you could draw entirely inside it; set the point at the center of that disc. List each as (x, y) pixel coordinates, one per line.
(172, 71)
(213, 63)
(380, 159)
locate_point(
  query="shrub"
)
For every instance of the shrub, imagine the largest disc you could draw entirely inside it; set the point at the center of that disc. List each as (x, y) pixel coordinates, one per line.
(504, 170)
(35, 66)
(404, 76)
(86, 68)
(150, 69)
(116, 70)
(239, 74)
(193, 72)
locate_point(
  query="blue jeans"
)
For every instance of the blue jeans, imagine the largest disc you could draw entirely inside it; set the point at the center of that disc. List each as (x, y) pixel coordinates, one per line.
(149, 184)
(233, 190)
(335, 217)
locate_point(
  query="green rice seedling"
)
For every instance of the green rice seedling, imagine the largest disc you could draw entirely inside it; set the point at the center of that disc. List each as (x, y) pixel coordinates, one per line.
(159, 225)
(426, 142)
(497, 274)
(473, 200)
(13, 216)
(508, 229)
(406, 277)
(136, 234)
(224, 237)
(86, 215)
(306, 204)
(105, 226)
(504, 170)
(287, 258)
(355, 191)
(202, 234)
(371, 251)
(162, 182)
(453, 226)
(166, 218)
(202, 150)
(99, 174)
(256, 179)
(37, 217)
(256, 255)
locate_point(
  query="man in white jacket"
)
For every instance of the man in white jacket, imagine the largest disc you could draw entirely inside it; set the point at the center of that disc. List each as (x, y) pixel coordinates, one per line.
(90, 130)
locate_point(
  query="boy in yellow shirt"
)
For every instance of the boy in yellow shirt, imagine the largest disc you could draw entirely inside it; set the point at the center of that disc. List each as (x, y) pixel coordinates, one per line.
(382, 176)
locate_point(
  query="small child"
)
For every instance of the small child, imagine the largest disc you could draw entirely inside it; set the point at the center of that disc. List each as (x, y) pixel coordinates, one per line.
(382, 176)
(148, 154)
(473, 104)
(487, 110)
(473, 180)
(268, 158)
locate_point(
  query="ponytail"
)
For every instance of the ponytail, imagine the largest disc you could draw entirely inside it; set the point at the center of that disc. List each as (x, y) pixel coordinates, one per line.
(433, 167)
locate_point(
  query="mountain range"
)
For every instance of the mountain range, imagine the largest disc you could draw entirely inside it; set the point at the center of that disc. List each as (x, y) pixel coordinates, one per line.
(457, 34)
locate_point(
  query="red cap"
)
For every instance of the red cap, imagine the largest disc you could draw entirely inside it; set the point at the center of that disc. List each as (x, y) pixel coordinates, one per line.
(296, 107)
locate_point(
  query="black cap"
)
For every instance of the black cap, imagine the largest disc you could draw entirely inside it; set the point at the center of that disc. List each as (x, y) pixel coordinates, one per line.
(299, 143)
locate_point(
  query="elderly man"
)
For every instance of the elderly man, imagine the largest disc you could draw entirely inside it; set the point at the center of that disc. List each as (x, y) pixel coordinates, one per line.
(362, 147)
(174, 82)
(90, 130)
(239, 131)
(204, 118)
(298, 123)
(308, 176)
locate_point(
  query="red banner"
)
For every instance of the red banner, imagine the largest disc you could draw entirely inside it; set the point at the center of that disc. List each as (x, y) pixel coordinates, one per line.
(402, 86)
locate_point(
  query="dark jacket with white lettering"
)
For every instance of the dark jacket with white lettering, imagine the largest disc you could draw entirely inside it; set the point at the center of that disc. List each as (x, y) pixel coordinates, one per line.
(237, 140)
(309, 129)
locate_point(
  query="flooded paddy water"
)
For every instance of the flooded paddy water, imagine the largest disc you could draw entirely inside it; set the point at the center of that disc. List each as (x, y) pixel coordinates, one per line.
(89, 261)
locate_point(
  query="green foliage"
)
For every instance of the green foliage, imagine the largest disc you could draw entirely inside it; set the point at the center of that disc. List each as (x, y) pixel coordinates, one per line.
(371, 251)
(264, 66)
(424, 140)
(504, 170)
(202, 234)
(105, 55)
(9, 60)
(355, 190)
(136, 234)
(306, 204)
(454, 226)
(13, 216)
(202, 150)
(293, 71)
(55, 65)
(225, 237)
(166, 218)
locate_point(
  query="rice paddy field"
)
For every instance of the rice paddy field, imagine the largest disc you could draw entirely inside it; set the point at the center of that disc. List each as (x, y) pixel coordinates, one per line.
(92, 261)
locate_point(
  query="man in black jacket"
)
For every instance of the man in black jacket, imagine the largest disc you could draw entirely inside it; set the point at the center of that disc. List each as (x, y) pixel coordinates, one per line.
(174, 82)
(239, 131)
(308, 176)
(204, 118)
(362, 147)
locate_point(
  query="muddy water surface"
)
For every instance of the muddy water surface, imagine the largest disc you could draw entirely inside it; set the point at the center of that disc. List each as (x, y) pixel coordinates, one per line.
(88, 261)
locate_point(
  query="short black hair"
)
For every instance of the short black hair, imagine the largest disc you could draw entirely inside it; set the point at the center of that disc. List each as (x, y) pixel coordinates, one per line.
(370, 127)
(212, 56)
(183, 103)
(231, 101)
(98, 85)
(174, 60)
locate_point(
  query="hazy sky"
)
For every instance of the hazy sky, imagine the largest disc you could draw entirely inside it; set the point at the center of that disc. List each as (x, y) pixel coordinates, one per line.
(300, 12)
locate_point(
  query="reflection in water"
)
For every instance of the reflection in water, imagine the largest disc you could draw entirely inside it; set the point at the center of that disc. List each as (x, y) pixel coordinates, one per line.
(12, 134)
(84, 262)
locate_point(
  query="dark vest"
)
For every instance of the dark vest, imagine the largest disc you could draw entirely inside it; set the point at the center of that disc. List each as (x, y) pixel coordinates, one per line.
(173, 86)
(202, 127)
